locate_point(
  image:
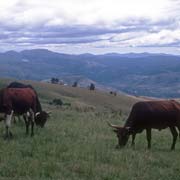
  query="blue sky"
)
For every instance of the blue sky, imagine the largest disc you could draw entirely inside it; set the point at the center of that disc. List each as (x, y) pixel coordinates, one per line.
(94, 26)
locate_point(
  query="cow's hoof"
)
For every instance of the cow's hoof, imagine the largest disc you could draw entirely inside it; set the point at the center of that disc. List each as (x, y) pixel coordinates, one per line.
(117, 147)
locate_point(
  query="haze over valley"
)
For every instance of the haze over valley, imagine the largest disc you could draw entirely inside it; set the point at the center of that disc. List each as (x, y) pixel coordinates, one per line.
(143, 74)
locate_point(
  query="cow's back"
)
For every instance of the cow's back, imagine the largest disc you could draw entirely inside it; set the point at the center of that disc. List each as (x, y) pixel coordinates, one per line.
(154, 114)
(21, 85)
(18, 99)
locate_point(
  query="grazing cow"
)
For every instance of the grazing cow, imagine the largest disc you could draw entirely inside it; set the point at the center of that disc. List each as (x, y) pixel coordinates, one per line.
(150, 115)
(40, 118)
(21, 101)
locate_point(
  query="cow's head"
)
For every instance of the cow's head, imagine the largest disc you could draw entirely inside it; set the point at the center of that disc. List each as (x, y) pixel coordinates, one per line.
(41, 118)
(122, 134)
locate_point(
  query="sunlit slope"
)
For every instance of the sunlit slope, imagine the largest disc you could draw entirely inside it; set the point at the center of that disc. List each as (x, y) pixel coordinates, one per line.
(79, 96)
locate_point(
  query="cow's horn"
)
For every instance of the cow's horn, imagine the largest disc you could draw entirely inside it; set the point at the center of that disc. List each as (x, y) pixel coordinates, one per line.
(37, 113)
(113, 126)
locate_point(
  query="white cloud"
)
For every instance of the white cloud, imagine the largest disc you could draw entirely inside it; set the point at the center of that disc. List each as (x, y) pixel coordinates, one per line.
(162, 38)
(83, 11)
(98, 23)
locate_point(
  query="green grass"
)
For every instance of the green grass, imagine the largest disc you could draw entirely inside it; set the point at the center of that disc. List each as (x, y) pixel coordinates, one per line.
(77, 144)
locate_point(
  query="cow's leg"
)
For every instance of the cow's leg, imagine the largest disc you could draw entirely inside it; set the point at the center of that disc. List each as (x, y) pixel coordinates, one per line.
(32, 122)
(8, 124)
(133, 139)
(174, 134)
(32, 128)
(14, 118)
(178, 130)
(148, 135)
(26, 120)
(19, 119)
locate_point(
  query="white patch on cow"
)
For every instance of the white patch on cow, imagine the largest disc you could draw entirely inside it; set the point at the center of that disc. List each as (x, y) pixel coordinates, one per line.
(8, 119)
(28, 114)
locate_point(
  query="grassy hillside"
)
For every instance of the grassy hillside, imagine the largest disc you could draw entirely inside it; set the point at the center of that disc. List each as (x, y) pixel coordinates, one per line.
(76, 142)
(100, 100)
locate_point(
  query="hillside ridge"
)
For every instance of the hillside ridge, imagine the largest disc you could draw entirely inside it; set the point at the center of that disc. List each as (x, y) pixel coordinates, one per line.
(144, 74)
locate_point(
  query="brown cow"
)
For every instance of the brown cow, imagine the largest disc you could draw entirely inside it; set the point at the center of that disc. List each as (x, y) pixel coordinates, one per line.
(150, 115)
(22, 101)
(40, 118)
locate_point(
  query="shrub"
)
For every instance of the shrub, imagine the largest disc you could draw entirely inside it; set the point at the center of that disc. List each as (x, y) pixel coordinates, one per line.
(92, 87)
(57, 102)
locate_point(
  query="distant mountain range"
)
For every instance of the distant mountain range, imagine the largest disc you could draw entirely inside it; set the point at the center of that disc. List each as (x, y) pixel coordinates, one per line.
(146, 74)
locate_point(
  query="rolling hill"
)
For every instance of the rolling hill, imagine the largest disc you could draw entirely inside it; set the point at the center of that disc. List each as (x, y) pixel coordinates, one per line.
(81, 98)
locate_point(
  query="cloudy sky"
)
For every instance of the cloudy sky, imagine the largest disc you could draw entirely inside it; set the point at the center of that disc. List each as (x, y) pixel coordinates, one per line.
(94, 26)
